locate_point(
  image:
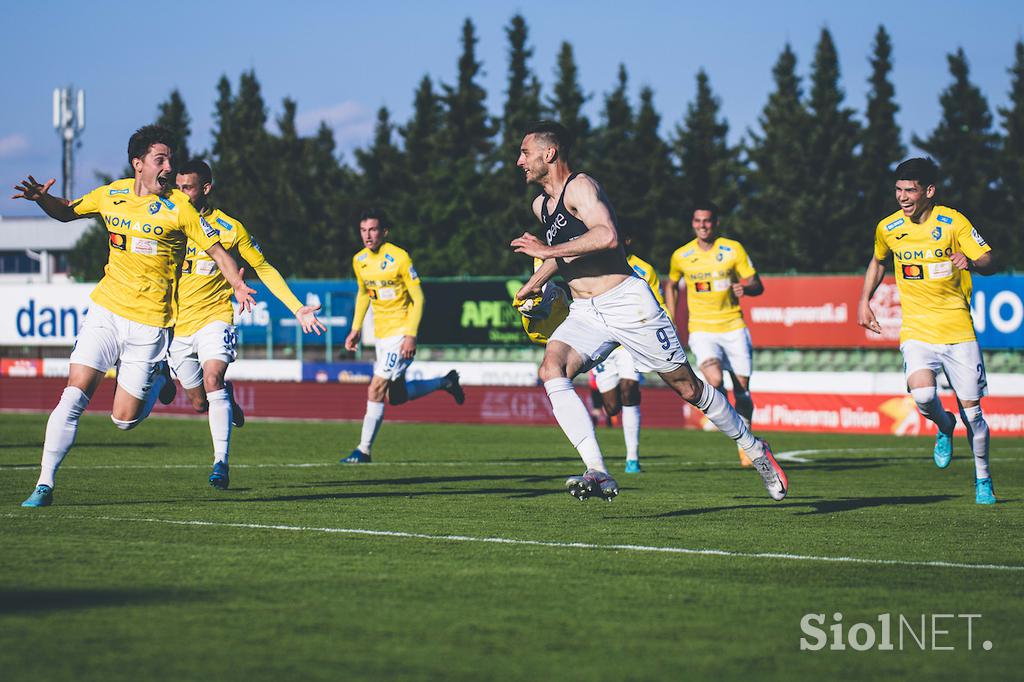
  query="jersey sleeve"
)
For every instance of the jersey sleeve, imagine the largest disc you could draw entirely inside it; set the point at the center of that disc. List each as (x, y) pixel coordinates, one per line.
(414, 313)
(362, 300)
(971, 242)
(882, 249)
(675, 268)
(744, 266)
(195, 226)
(268, 274)
(88, 204)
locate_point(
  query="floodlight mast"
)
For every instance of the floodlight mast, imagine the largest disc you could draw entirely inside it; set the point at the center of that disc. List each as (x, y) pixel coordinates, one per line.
(69, 122)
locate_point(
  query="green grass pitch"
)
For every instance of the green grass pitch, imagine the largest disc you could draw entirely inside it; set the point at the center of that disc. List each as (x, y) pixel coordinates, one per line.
(140, 570)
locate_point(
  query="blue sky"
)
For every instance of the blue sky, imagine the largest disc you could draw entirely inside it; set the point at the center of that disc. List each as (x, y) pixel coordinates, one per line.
(343, 60)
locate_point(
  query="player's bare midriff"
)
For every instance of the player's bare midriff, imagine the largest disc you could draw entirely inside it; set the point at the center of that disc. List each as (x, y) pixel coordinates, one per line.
(594, 274)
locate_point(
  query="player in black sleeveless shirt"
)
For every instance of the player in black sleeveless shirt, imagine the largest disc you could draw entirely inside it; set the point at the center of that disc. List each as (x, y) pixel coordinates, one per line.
(611, 307)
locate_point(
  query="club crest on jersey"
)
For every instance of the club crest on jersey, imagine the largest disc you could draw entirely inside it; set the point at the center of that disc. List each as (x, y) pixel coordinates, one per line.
(937, 233)
(894, 224)
(154, 208)
(118, 241)
(118, 191)
(720, 257)
(912, 271)
(945, 219)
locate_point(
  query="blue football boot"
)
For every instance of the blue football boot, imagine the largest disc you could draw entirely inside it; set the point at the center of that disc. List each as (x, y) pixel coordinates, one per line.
(633, 466)
(42, 496)
(983, 492)
(219, 476)
(357, 457)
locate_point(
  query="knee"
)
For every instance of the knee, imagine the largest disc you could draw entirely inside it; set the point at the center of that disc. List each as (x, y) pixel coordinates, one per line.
(200, 404)
(551, 370)
(688, 391)
(923, 396)
(612, 407)
(212, 382)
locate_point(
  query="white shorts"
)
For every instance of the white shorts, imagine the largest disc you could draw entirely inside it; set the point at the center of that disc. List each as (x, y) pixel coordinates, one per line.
(961, 362)
(732, 349)
(618, 365)
(628, 315)
(389, 364)
(216, 341)
(106, 339)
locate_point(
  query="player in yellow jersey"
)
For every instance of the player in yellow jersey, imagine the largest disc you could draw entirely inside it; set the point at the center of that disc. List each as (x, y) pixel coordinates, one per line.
(934, 250)
(388, 281)
(616, 376)
(204, 333)
(132, 306)
(718, 272)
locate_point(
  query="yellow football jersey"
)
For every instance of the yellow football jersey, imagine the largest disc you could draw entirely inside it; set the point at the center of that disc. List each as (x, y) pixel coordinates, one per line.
(934, 295)
(147, 236)
(388, 281)
(204, 295)
(646, 272)
(709, 278)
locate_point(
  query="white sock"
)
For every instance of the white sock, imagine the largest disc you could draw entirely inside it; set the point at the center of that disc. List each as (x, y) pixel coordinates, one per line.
(421, 387)
(631, 431)
(571, 414)
(720, 413)
(927, 399)
(220, 423)
(977, 435)
(371, 424)
(61, 429)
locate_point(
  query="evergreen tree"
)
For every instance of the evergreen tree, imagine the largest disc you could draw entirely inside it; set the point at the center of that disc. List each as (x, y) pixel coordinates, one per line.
(881, 146)
(567, 102)
(1011, 165)
(657, 214)
(173, 115)
(775, 207)
(615, 162)
(708, 167)
(966, 149)
(419, 212)
(832, 138)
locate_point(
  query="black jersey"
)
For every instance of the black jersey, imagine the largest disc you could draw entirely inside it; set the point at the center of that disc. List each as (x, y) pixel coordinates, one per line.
(561, 226)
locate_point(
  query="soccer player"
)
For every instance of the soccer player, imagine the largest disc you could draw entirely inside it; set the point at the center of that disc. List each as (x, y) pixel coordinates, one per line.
(128, 322)
(388, 281)
(616, 376)
(611, 306)
(204, 334)
(934, 250)
(718, 273)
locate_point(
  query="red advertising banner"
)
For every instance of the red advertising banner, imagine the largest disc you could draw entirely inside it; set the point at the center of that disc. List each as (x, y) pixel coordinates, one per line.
(525, 406)
(817, 312)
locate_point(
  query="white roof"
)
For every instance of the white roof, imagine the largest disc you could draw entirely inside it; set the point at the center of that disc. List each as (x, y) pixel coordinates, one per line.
(43, 232)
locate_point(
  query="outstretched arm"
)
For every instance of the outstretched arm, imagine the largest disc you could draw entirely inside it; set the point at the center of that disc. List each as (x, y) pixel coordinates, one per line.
(872, 278)
(55, 207)
(268, 274)
(231, 272)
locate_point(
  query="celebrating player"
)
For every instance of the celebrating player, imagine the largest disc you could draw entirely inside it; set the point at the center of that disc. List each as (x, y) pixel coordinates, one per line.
(718, 273)
(611, 306)
(127, 325)
(204, 334)
(388, 281)
(935, 249)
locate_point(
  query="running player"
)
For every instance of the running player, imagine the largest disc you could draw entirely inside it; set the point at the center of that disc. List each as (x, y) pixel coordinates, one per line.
(388, 281)
(611, 306)
(616, 376)
(128, 322)
(204, 334)
(935, 249)
(718, 273)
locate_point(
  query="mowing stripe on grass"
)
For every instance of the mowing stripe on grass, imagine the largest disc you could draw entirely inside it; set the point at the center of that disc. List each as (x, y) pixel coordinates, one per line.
(543, 543)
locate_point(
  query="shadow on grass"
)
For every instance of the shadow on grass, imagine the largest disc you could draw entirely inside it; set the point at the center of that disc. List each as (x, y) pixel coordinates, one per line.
(79, 446)
(823, 506)
(37, 600)
(424, 480)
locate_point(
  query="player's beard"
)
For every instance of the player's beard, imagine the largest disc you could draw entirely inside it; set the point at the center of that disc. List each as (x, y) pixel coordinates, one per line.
(164, 180)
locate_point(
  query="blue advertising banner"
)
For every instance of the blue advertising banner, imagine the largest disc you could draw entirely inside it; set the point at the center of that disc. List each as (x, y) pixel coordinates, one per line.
(998, 310)
(336, 299)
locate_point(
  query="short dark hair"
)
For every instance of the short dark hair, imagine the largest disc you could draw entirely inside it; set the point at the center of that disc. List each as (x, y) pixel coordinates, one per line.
(705, 205)
(375, 214)
(920, 169)
(554, 134)
(147, 136)
(200, 168)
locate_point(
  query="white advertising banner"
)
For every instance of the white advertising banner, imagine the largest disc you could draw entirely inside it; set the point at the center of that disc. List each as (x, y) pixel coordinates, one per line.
(42, 315)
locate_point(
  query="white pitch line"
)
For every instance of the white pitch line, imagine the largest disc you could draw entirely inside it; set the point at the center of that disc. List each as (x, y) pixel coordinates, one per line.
(542, 543)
